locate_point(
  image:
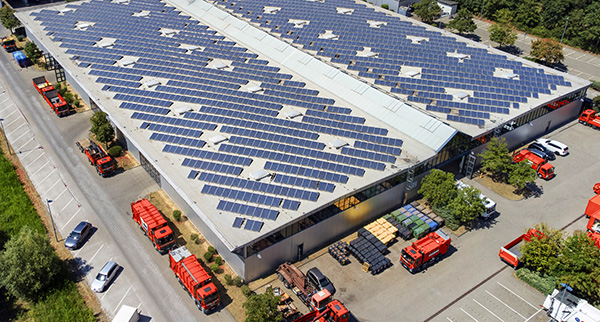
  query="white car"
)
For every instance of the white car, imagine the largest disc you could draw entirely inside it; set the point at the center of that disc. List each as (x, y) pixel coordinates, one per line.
(554, 146)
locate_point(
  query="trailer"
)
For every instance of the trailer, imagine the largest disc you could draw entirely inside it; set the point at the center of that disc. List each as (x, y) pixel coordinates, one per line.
(292, 277)
(127, 314)
(511, 252)
(566, 307)
(21, 59)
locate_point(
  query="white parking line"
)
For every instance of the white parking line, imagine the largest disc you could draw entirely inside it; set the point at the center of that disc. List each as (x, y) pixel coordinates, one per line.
(121, 301)
(49, 174)
(499, 300)
(447, 318)
(41, 155)
(468, 314)
(22, 146)
(15, 130)
(27, 153)
(20, 136)
(515, 294)
(485, 308)
(65, 225)
(96, 253)
(40, 169)
(60, 194)
(534, 314)
(52, 186)
(63, 208)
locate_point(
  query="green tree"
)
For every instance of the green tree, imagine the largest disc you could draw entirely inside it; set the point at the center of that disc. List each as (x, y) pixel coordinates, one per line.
(591, 24)
(29, 265)
(32, 51)
(529, 14)
(8, 19)
(105, 133)
(503, 16)
(467, 205)
(438, 187)
(496, 159)
(463, 22)
(97, 120)
(596, 101)
(521, 174)
(579, 265)
(502, 34)
(427, 10)
(547, 51)
(541, 254)
(262, 307)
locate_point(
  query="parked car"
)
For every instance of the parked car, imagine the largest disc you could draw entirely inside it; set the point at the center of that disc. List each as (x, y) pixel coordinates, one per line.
(540, 147)
(105, 277)
(539, 153)
(78, 235)
(319, 281)
(554, 146)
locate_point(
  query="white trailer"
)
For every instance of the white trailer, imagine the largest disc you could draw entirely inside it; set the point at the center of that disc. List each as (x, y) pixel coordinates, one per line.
(566, 307)
(127, 314)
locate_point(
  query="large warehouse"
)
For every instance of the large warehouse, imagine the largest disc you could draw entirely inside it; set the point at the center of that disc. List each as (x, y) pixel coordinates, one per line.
(278, 127)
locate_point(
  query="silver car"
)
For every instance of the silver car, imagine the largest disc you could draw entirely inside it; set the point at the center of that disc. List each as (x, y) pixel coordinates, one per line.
(105, 276)
(78, 235)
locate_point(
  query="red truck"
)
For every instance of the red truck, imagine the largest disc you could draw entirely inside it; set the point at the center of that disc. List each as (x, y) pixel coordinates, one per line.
(194, 279)
(590, 118)
(153, 224)
(511, 252)
(9, 44)
(425, 251)
(97, 157)
(292, 277)
(592, 211)
(51, 95)
(544, 169)
(329, 310)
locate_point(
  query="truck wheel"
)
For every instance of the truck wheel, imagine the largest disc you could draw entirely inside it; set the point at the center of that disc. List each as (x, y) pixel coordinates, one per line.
(539, 175)
(280, 277)
(286, 284)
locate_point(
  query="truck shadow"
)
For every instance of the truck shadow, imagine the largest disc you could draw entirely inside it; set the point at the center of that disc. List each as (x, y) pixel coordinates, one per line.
(225, 298)
(180, 240)
(144, 318)
(451, 250)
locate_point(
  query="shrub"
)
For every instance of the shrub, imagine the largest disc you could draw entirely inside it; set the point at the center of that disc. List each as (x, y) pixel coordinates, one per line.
(58, 86)
(177, 216)
(68, 96)
(596, 85)
(544, 284)
(115, 151)
(237, 281)
(76, 103)
(385, 6)
(218, 260)
(212, 249)
(208, 256)
(20, 37)
(246, 290)
(448, 217)
(215, 268)
(227, 279)
(194, 238)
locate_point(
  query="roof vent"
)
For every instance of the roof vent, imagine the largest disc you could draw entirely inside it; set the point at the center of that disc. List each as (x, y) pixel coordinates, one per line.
(217, 139)
(412, 73)
(271, 10)
(461, 95)
(127, 62)
(291, 114)
(345, 11)
(257, 175)
(338, 143)
(182, 110)
(509, 75)
(152, 83)
(106, 44)
(254, 89)
(218, 65)
(65, 10)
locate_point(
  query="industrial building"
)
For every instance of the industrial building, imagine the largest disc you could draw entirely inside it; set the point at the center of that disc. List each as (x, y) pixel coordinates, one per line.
(278, 127)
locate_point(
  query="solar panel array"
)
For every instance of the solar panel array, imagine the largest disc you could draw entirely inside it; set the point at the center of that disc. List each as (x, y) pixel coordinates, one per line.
(185, 84)
(337, 30)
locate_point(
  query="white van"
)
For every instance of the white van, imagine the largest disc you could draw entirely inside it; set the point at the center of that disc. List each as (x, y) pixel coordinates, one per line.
(490, 205)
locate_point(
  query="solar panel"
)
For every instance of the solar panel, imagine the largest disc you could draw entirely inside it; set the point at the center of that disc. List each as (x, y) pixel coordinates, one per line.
(237, 222)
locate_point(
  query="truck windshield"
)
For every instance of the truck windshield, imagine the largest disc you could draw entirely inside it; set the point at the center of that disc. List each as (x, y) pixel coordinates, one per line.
(9, 43)
(165, 239)
(106, 165)
(407, 258)
(596, 226)
(211, 298)
(61, 107)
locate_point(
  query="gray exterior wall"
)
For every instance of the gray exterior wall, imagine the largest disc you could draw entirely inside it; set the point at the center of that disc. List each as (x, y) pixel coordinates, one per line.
(84, 96)
(31, 37)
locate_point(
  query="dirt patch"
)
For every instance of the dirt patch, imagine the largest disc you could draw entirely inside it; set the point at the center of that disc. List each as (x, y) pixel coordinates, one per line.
(82, 105)
(503, 189)
(231, 295)
(86, 293)
(127, 161)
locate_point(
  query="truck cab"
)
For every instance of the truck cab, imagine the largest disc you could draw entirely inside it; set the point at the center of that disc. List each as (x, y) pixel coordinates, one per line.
(589, 117)
(105, 166)
(9, 44)
(207, 297)
(425, 251)
(325, 308)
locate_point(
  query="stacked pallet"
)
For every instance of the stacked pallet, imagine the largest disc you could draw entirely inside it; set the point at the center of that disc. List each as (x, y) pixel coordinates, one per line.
(365, 251)
(382, 230)
(339, 251)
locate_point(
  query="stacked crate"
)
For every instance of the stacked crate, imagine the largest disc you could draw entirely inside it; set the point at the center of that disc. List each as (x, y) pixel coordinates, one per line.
(368, 249)
(382, 230)
(339, 251)
(416, 219)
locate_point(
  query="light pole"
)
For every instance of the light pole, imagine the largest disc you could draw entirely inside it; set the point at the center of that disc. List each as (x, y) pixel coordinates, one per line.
(482, 6)
(5, 139)
(566, 23)
(48, 201)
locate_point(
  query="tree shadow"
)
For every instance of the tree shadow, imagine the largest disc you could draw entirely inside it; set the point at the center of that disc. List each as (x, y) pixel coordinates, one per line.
(179, 240)
(473, 37)
(481, 223)
(511, 49)
(78, 267)
(532, 190)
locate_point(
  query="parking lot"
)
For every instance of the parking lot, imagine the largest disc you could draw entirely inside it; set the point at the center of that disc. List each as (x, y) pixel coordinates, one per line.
(471, 283)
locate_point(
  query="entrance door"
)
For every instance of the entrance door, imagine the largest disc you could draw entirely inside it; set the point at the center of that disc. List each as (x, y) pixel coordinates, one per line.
(300, 252)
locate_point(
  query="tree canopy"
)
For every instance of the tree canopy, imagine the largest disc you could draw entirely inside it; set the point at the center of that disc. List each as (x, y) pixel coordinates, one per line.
(496, 159)
(427, 10)
(549, 52)
(8, 19)
(28, 265)
(438, 187)
(502, 34)
(521, 174)
(540, 254)
(32, 51)
(467, 205)
(262, 307)
(101, 127)
(463, 22)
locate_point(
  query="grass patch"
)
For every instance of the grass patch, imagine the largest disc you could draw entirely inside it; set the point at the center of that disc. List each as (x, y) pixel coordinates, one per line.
(544, 284)
(16, 209)
(62, 304)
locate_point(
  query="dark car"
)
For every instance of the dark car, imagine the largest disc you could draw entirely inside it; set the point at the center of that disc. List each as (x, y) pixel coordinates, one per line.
(537, 146)
(539, 153)
(78, 235)
(319, 281)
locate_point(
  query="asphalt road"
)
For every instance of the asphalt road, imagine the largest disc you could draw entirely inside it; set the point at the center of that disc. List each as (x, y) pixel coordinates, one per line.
(145, 280)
